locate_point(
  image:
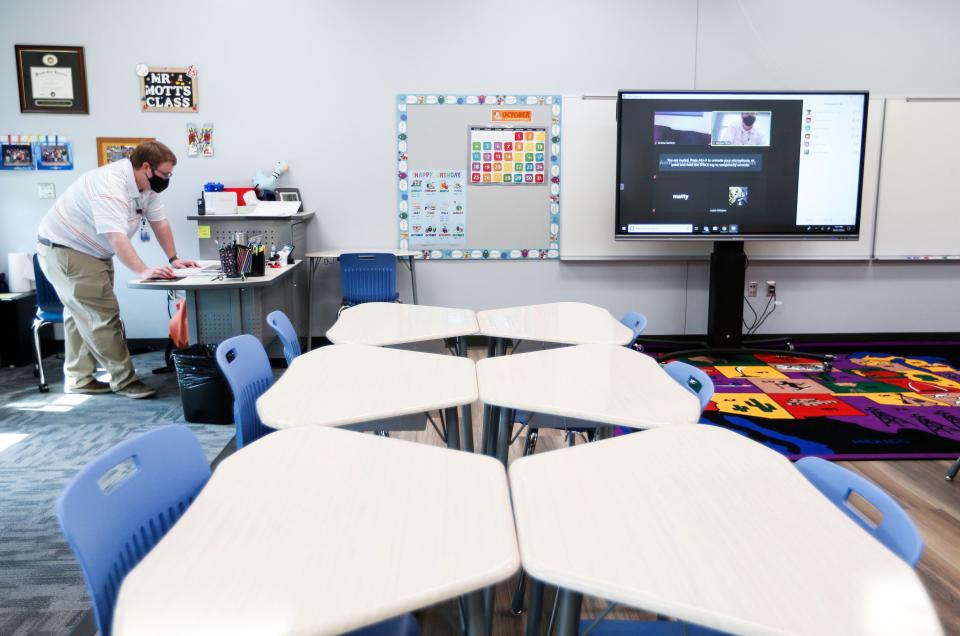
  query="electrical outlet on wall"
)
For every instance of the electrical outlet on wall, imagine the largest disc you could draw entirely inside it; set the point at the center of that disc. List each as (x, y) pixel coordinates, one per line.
(771, 288)
(752, 289)
(46, 191)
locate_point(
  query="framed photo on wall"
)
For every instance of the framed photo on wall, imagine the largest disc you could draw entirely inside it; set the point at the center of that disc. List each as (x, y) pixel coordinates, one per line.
(51, 79)
(110, 149)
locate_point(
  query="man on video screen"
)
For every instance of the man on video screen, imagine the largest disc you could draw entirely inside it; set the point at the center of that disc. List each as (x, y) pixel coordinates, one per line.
(744, 132)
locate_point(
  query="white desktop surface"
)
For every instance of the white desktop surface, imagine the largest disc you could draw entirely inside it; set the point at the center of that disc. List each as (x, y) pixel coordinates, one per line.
(321, 531)
(349, 384)
(601, 383)
(381, 324)
(212, 280)
(335, 253)
(702, 524)
(564, 323)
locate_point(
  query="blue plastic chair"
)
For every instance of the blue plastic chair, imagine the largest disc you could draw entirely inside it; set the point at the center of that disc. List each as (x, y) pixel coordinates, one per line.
(49, 311)
(246, 366)
(111, 530)
(368, 278)
(647, 628)
(695, 380)
(637, 322)
(896, 530)
(279, 322)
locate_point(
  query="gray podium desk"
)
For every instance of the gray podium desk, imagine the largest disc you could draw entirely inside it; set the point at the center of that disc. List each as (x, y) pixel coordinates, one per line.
(314, 259)
(220, 309)
(275, 230)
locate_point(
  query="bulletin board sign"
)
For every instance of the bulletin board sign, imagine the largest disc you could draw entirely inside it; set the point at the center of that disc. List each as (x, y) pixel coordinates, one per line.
(478, 176)
(168, 89)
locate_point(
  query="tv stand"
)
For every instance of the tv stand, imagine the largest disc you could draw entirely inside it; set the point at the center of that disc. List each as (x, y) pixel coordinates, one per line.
(728, 267)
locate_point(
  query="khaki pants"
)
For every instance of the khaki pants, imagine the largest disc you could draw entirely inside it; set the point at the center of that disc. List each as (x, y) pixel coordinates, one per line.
(91, 316)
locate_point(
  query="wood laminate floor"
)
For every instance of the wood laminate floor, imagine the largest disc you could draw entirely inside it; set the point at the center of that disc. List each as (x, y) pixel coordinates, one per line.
(932, 502)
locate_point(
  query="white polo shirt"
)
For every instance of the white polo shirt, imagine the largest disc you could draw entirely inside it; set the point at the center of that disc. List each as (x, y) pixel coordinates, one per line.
(100, 201)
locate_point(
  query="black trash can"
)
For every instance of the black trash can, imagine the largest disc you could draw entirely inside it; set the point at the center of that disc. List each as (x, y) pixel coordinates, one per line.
(204, 392)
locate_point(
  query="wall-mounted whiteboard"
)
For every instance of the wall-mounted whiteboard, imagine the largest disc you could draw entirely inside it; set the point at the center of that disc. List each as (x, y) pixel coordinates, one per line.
(918, 210)
(589, 186)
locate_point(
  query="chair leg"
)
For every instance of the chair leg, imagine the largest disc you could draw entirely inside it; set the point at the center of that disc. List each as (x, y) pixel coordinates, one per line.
(953, 470)
(530, 445)
(44, 387)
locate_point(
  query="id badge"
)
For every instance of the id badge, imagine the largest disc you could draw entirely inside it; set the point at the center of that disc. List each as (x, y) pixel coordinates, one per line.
(144, 230)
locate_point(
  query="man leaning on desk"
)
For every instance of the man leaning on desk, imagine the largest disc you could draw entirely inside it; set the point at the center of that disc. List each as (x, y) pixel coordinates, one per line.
(89, 223)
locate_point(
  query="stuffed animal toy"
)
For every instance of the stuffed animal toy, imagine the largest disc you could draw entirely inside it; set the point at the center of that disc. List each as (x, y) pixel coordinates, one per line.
(264, 183)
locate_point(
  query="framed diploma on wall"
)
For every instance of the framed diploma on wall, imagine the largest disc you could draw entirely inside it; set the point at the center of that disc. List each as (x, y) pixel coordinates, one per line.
(51, 79)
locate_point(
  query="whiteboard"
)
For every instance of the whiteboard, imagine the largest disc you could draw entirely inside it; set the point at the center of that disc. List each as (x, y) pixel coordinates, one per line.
(589, 186)
(917, 211)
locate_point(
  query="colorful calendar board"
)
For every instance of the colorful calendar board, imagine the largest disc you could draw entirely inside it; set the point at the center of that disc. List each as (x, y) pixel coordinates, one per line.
(508, 156)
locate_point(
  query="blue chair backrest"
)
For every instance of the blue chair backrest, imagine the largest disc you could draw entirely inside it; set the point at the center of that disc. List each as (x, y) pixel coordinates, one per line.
(110, 528)
(246, 366)
(47, 299)
(635, 321)
(695, 380)
(366, 278)
(279, 322)
(896, 530)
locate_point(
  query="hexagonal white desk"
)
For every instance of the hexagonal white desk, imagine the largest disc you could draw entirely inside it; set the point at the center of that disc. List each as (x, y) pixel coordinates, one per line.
(321, 531)
(605, 384)
(339, 385)
(561, 323)
(702, 524)
(384, 324)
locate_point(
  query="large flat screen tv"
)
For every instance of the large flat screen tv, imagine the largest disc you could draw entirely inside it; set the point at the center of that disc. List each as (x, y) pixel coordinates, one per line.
(739, 165)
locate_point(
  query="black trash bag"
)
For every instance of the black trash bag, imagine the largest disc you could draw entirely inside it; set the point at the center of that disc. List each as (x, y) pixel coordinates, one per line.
(204, 391)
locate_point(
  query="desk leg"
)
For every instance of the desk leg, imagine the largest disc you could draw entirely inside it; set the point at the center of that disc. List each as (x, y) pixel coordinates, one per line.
(453, 428)
(568, 616)
(477, 624)
(504, 434)
(193, 317)
(488, 433)
(413, 280)
(535, 608)
(311, 267)
(466, 413)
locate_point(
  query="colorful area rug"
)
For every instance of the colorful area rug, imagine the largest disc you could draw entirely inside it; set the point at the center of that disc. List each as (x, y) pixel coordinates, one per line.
(867, 406)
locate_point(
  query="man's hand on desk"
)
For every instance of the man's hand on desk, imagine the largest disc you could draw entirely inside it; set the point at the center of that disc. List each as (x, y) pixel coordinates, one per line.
(180, 263)
(163, 271)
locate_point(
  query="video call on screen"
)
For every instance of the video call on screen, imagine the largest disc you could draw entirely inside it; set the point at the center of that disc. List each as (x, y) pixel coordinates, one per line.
(711, 164)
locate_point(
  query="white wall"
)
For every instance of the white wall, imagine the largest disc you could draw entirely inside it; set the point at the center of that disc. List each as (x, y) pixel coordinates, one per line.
(314, 83)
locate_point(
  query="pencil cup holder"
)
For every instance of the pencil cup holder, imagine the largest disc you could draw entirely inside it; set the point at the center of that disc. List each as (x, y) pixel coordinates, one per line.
(259, 266)
(228, 261)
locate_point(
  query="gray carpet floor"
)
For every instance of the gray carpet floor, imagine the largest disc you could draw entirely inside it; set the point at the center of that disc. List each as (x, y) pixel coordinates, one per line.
(41, 588)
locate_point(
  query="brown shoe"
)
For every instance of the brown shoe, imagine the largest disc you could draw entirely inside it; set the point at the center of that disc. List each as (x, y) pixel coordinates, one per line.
(93, 387)
(136, 390)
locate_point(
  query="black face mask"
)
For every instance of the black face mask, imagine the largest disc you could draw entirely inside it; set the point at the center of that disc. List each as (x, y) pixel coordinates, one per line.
(158, 184)
(748, 120)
